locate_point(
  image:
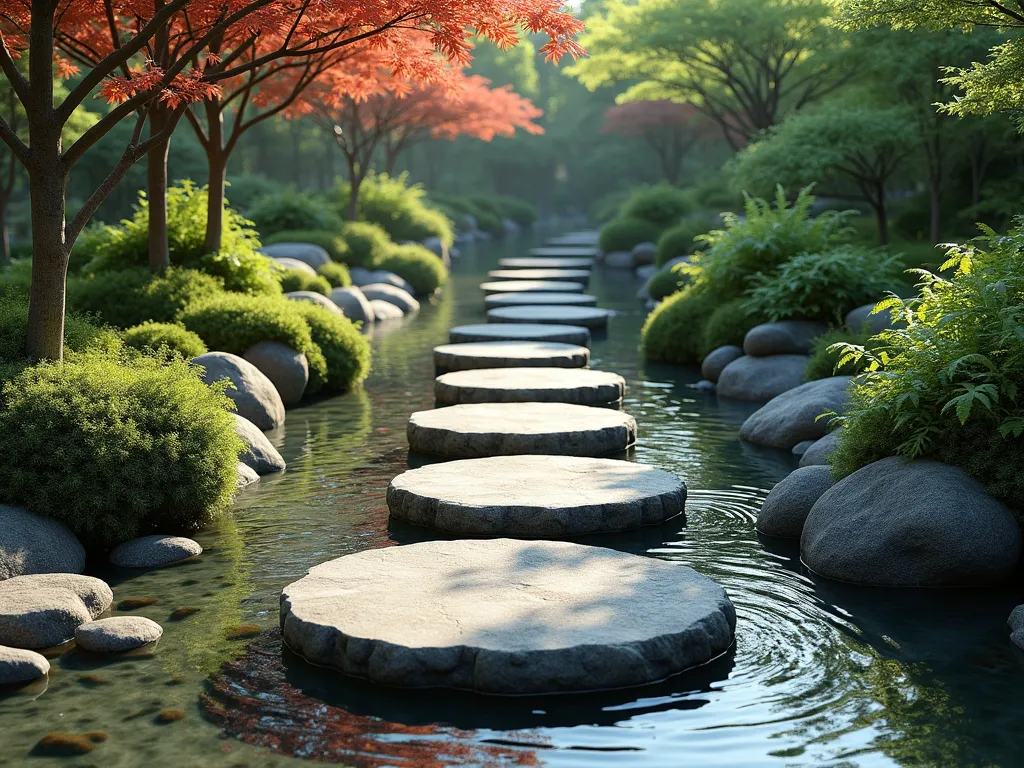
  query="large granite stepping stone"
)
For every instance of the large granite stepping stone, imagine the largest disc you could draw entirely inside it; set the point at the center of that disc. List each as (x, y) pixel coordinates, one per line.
(535, 286)
(117, 634)
(509, 354)
(588, 317)
(529, 298)
(565, 334)
(545, 263)
(536, 496)
(506, 616)
(507, 429)
(43, 610)
(579, 386)
(556, 275)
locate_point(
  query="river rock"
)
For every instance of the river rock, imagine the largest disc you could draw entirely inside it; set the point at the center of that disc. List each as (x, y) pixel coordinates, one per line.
(362, 277)
(527, 299)
(789, 502)
(793, 416)
(857, 318)
(117, 634)
(1016, 624)
(563, 334)
(286, 368)
(561, 275)
(354, 304)
(315, 298)
(619, 260)
(154, 551)
(509, 354)
(759, 379)
(713, 365)
(586, 317)
(644, 253)
(579, 386)
(385, 310)
(787, 337)
(33, 544)
(531, 286)
(18, 666)
(254, 395)
(822, 449)
(801, 448)
(261, 455)
(246, 476)
(393, 295)
(910, 524)
(550, 262)
(43, 610)
(506, 617)
(307, 253)
(297, 265)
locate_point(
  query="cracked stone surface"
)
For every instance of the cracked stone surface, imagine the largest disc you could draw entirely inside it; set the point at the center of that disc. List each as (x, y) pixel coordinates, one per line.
(509, 354)
(506, 616)
(536, 497)
(565, 334)
(579, 386)
(506, 429)
(531, 298)
(559, 275)
(522, 286)
(540, 262)
(588, 317)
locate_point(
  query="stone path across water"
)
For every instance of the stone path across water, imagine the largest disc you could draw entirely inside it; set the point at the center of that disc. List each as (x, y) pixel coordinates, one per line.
(558, 275)
(588, 317)
(565, 334)
(522, 286)
(578, 386)
(509, 354)
(531, 298)
(545, 263)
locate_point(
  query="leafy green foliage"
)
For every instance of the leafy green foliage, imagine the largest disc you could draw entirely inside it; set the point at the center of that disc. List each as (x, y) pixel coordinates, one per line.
(367, 244)
(117, 447)
(519, 211)
(128, 297)
(827, 351)
(662, 205)
(824, 286)
(345, 349)
(665, 282)
(251, 273)
(457, 207)
(728, 324)
(336, 275)
(622, 234)
(152, 337)
(420, 266)
(399, 208)
(329, 240)
(300, 280)
(680, 239)
(672, 332)
(289, 210)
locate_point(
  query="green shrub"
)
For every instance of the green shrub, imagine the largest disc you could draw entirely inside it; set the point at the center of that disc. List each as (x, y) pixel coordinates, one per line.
(623, 233)
(251, 273)
(420, 266)
(947, 385)
(246, 188)
(117, 448)
(367, 244)
(335, 274)
(290, 210)
(519, 211)
(679, 240)
(330, 241)
(300, 280)
(16, 278)
(728, 324)
(399, 208)
(456, 207)
(346, 350)
(151, 337)
(662, 205)
(234, 322)
(665, 282)
(824, 286)
(827, 353)
(608, 206)
(129, 297)
(673, 332)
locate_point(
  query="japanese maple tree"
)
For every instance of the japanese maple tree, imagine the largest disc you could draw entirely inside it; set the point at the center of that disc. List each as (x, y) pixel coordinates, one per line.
(669, 128)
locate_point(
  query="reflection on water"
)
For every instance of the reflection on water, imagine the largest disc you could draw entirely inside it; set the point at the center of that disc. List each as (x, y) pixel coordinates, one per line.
(821, 674)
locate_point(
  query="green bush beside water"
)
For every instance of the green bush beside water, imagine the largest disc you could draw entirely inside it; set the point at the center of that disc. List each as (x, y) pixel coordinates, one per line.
(300, 280)
(336, 275)
(366, 243)
(623, 233)
(330, 240)
(665, 282)
(129, 297)
(680, 239)
(289, 210)
(421, 267)
(153, 337)
(662, 205)
(400, 209)
(346, 351)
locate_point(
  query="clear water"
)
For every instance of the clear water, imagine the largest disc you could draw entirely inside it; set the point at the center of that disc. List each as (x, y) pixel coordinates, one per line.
(821, 673)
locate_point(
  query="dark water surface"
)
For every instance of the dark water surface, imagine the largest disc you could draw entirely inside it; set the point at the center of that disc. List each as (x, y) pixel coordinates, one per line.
(821, 674)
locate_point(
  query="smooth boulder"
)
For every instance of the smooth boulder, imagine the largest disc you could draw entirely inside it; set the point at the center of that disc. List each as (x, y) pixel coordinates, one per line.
(713, 365)
(310, 254)
(246, 476)
(1016, 624)
(786, 337)
(797, 414)
(19, 666)
(619, 260)
(117, 634)
(644, 253)
(315, 298)
(910, 524)
(353, 304)
(865, 316)
(393, 295)
(385, 310)
(297, 265)
(287, 369)
(821, 451)
(261, 455)
(759, 379)
(254, 395)
(363, 277)
(43, 610)
(154, 551)
(789, 502)
(30, 543)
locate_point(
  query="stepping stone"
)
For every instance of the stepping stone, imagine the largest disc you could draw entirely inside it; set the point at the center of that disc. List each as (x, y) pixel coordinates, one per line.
(530, 298)
(557, 275)
(117, 634)
(154, 551)
(522, 286)
(564, 251)
(579, 386)
(509, 354)
(588, 317)
(506, 616)
(564, 334)
(507, 429)
(536, 496)
(546, 263)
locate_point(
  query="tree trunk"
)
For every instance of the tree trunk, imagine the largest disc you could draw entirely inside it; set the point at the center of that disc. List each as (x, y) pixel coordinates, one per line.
(882, 218)
(217, 167)
(936, 209)
(5, 234)
(49, 254)
(156, 192)
(354, 182)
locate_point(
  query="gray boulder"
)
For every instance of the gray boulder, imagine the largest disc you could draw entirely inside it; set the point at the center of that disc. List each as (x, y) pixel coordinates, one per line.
(43, 610)
(254, 395)
(910, 524)
(619, 260)
(793, 416)
(433, 243)
(644, 253)
(117, 634)
(787, 506)
(33, 544)
(385, 310)
(393, 295)
(822, 449)
(788, 337)
(759, 379)
(246, 476)
(355, 306)
(315, 298)
(18, 666)
(310, 254)
(857, 318)
(261, 455)
(301, 266)
(286, 368)
(801, 448)
(364, 277)
(1016, 624)
(154, 551)
(645, 273)
(713, 365)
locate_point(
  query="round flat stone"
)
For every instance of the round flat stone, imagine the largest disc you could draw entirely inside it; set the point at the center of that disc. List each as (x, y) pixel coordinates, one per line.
(531, 262)
(579, 386)
(530, 298)
(506, 616)
(565, 334)
(588, 317)
(530, 275)
(117, 634)
(154, 551)
(509, 354)
(564, 250)
(521, 286)
(536, 496)
(507, 429)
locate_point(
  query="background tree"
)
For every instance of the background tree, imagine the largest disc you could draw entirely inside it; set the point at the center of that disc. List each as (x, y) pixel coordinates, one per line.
(670, 129)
